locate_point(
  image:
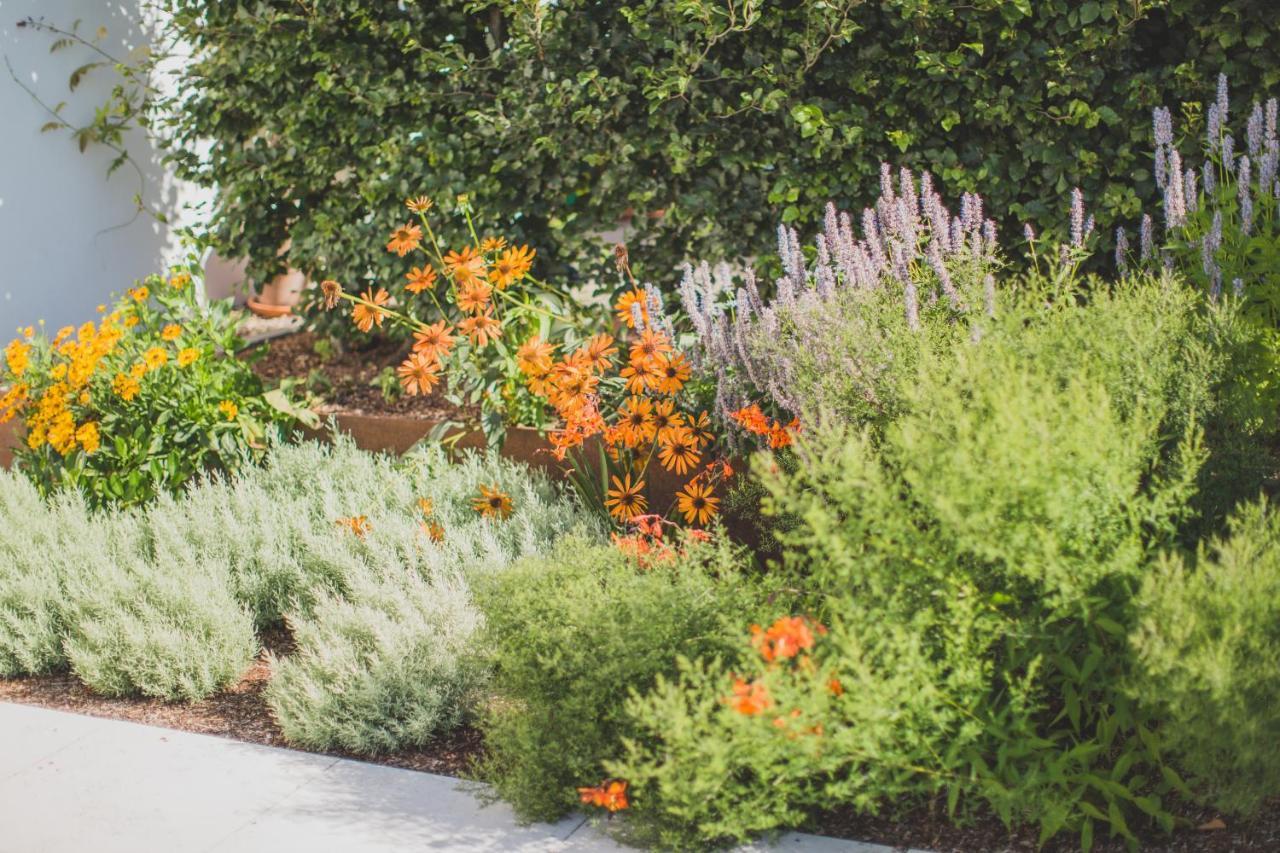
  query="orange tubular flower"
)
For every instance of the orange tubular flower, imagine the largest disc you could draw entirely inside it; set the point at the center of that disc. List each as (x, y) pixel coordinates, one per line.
(680, 453)
(419, 374)
(534, 357)
(475, 298)
(434, 341)
(625, 499)
(420, 278)
(481, 328)
(466, 267)
(611, 795)
(697, 503)
(366, 316)
(511, 266)
(785, 638)
(433, 530)
(749, 698)
(672, 371)
(405, 239)
(492, 503)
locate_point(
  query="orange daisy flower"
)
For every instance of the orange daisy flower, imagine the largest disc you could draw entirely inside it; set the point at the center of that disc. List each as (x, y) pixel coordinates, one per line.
(419, 374)
(666, 420)
(623, 307)
(673, 371)
(405, 239)
(534, 357)
(474, 298)
(420, 279)
(680, 452)
(599, 351)
(466, 267)
(433, 341)
(697, 503)
(366, 316)
(625, 499)
(647, 349)
(636, 417)
(492, 502)
(701, 429)
(481, 328)
(511, 266)
(493, 244)
(638, 377)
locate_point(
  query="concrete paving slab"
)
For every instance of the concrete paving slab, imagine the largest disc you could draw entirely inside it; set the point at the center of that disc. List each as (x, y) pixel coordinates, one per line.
(28, 735)
(70, 784)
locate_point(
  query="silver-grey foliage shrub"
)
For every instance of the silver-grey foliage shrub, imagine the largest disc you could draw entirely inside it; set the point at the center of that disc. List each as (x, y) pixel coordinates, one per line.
(31, 555)
(383, 658)
(138, 625)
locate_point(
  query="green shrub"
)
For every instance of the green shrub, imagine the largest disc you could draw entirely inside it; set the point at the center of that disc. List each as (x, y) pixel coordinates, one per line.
(138, 626)
(569, 636)
(976, 563)
(560, 117)
(1208, 645)
(32, 535)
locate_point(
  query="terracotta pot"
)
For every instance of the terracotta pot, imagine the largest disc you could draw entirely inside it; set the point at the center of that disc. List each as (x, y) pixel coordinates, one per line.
(280, 295)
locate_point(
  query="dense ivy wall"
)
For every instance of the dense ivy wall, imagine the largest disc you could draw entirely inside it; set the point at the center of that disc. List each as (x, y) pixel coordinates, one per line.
(726, 116)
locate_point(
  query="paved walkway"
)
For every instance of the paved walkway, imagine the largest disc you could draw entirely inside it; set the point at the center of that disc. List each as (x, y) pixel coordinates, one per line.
(72, 784)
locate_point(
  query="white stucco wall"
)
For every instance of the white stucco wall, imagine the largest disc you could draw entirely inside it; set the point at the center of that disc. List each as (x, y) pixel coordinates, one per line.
(68, 234)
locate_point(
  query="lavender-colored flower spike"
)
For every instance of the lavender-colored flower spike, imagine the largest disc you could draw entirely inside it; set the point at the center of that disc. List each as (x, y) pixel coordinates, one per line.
(1122, 251)
(637, 315)
(1244, 193)
(907, 187)
(1089, 225)
(1146, 238)
(1162, 126)
(1270, 129)
(1221, 101)
(1209, 181)
(1175, 209)
(1229, 151)
(1077, 217)
(934, 256)
(1213, 128)
(1190, 196)
(1237, 287)
(1162, 167)
(886, 182)
(1028, 233)
(1253, 131)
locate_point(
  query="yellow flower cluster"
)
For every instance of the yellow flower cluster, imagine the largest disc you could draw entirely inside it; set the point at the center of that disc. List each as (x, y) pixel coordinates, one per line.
(52, 421)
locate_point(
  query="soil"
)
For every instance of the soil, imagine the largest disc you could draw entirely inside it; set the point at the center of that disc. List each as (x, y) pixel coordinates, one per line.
(926, 830)
(343, 379)
(239, 713)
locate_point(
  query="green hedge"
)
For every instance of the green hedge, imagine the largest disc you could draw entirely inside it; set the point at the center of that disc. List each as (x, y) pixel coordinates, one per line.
(727, 116)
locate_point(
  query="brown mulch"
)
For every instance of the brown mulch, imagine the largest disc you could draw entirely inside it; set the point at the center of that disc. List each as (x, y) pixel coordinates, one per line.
(239, 713)
(348, 372)
(925, 830)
